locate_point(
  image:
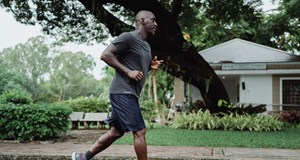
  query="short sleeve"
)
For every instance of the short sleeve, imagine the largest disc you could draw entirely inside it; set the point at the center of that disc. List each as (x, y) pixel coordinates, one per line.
(122, 42)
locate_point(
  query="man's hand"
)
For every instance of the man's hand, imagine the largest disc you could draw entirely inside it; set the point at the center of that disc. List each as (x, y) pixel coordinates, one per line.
(156, 63)
(136, 75)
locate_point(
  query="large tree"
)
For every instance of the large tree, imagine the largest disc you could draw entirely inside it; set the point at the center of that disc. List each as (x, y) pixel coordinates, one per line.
(71, 75)
(31, 60)
(11, 80)
(94, 20)
(285, 26)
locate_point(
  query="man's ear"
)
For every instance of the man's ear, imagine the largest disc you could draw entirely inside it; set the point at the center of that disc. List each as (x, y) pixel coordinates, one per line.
(142, 20)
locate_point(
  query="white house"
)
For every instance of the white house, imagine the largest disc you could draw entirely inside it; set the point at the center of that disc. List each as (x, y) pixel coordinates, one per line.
(253, 74)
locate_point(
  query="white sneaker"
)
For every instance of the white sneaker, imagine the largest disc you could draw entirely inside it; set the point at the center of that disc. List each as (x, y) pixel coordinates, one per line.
(78, 156)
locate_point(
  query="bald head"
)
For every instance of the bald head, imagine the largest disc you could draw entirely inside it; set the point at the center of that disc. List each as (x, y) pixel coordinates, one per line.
(141, 15)
(145, 23)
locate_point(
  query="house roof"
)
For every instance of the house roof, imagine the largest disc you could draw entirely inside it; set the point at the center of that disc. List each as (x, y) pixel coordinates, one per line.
(242, 51)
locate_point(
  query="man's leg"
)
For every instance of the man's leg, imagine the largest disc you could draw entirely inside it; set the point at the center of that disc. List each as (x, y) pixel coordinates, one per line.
(140, 145)
(105, 140)
(101, 144)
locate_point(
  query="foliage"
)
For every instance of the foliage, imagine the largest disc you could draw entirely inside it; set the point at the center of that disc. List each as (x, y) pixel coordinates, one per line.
(198, 18)
(15, 97)
(285, 26)
(196, 120)
(70, 71)
(31, 60)
(251, 122)
(33, 122)
(66, 20)
(220, 21)
(69, 20)
(88, 104)
(11, 80)
(286, 138)
(107, 76)
(205, 120)
(156, 96)
(150, 111)
(164, 84)
(207, 22)
(230, 108)
(291, 116)
(48, 77)
(242, 109)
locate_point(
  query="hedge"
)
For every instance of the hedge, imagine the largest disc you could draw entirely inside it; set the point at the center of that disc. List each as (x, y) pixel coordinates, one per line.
(33, 121)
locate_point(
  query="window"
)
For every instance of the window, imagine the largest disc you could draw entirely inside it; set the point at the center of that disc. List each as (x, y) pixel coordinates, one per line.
(291, 94)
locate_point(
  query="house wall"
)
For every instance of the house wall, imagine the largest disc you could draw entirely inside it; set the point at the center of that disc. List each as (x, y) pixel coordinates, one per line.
(194, 93)
(257, 90)
(178, 90)
(231, 84)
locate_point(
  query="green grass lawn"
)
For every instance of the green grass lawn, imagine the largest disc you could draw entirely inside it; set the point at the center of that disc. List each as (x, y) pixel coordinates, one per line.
(287, 138)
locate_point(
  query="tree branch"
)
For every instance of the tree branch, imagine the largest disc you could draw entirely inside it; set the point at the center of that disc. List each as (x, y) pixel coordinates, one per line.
(114, 25)
(168, 36)
(181, 59)
(176, 8)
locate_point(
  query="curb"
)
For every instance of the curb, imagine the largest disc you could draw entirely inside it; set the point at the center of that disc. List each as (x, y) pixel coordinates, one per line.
(68, 157)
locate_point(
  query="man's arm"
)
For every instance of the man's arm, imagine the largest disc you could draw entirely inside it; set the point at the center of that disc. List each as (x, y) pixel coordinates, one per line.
(109, 57)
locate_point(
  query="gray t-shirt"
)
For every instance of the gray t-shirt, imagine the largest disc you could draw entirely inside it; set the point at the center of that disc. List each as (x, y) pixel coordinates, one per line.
(135, 54)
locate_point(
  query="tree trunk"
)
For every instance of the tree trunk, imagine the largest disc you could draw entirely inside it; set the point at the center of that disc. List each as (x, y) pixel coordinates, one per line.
(181, 58)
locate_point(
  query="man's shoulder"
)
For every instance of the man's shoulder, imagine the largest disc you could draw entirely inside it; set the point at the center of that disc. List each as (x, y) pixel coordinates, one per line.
(124, 37)
(127, 35)
(131, 33)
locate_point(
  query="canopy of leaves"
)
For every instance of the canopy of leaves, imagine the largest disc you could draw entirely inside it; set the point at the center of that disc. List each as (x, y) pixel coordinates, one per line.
(70, 71)
(10, 80)
(66, 20)
(33, 67)
(285, 26)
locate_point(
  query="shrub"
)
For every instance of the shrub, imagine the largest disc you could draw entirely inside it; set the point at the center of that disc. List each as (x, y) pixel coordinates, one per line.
(33, 122)
(88, 104)
(15, 97)
(150, 111)
(292, 116)
(196, 120)
(251, 122)
(205, 120)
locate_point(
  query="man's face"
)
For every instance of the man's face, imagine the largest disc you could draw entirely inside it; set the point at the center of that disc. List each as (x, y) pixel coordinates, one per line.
(150, 23)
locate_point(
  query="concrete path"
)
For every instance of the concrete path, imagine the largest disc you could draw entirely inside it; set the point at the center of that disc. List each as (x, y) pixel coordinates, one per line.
(10, 150)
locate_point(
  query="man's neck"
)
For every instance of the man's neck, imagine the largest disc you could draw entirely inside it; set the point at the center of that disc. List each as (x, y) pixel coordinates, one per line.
(142, 34)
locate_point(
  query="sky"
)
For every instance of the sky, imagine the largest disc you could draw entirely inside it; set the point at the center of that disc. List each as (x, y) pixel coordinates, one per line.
(13, 33)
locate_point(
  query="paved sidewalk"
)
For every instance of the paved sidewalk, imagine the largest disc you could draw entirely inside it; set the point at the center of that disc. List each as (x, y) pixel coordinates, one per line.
(62, 151)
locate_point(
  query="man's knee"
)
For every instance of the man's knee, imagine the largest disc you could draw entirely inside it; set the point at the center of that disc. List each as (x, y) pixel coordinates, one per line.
(140, 133)
(116, 133)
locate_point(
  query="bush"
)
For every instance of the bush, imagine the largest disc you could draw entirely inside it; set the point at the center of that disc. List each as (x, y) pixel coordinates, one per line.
(150, 111)
(33, 122)
(90, 104)
(15, 97)
(292, 117)
(205, 120)
(196, 120)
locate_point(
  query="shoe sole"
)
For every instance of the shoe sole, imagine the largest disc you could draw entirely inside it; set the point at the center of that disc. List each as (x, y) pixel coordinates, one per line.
(74, 156)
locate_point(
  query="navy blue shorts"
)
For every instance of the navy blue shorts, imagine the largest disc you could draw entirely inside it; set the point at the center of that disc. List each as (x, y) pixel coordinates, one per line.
(126, 113)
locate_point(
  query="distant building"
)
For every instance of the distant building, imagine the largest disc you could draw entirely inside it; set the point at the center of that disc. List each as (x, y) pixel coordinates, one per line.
(252, 74)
